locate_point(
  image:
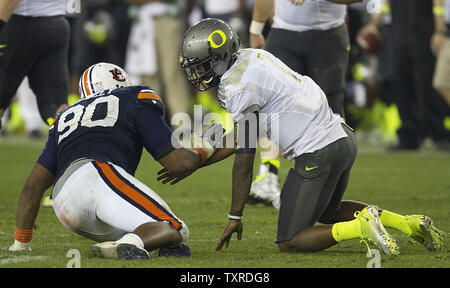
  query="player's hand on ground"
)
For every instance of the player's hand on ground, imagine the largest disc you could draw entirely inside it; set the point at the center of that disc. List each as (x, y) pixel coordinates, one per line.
(167, 176)
(19, 247)
(232, 227)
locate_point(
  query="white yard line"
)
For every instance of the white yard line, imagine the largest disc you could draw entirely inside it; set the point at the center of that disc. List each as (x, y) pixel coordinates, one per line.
(18, 259)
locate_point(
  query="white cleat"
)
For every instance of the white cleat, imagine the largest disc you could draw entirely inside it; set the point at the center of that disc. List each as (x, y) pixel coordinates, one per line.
(265, 189)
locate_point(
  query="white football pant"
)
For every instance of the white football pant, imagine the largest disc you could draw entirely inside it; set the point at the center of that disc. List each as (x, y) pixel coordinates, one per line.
(102, 202)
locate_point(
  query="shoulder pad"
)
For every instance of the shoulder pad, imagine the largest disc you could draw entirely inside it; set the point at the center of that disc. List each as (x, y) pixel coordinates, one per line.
(150, 97)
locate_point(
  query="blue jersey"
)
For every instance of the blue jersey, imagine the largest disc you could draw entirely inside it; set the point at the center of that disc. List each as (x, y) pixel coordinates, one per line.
(111, 126)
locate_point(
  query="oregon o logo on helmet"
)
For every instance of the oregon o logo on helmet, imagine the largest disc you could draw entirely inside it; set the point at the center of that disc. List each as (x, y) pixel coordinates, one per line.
(212, 38)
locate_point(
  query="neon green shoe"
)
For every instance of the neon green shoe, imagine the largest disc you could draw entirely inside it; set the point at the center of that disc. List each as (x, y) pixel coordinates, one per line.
(424, 232)
(373, 231)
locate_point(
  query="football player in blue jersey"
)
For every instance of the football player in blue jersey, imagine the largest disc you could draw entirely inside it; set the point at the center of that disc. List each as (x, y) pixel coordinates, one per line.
(91, 155)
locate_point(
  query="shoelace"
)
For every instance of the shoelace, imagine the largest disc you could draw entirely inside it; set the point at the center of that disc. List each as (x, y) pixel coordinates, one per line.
(363, 240)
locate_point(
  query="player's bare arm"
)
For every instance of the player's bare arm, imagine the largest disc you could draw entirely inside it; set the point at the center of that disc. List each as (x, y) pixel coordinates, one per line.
(228, 149)
(39, 180)
(262, 11)
(166, 175)
(181, 160)
(440, 27)
(242, 180)
(6, 9)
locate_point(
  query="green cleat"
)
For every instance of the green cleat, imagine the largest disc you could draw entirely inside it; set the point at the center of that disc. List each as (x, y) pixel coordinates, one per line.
(373, 231)
(424, 232)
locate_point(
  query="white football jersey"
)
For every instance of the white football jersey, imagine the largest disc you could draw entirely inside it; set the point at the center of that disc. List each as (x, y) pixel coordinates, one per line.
(311, 15)
(293, 110)
(43, 8)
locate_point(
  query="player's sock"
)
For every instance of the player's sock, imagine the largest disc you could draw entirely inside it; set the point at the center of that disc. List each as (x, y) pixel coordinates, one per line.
(395, 221)
(346, 230)
(132, 238)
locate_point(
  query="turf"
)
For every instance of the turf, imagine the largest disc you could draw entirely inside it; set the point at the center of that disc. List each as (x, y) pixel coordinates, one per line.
(407, 183)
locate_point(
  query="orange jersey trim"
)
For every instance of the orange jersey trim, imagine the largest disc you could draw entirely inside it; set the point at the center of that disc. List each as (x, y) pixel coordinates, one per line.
(136, 196)
(85, 82)
(149, 95)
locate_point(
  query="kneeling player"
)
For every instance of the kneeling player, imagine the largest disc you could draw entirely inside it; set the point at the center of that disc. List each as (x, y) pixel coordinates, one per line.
(255, 85)
(91, 155)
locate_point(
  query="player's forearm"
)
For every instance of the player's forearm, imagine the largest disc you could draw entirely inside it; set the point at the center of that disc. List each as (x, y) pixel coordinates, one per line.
(242, 180)
(188, 160)
(28, 208)
(228, 143)
(440, 25)
(7, 8)
(39, 180)
(219, 155)
(262, 10)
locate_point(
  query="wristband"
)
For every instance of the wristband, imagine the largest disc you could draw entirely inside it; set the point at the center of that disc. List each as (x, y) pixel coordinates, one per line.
(257, 27)
(202, 154)
(235, 218)
(235, 215)
(23, 236)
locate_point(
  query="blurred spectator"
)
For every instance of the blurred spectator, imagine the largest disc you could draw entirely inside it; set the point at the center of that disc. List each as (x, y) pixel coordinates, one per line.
(153, 52)
(441, 46)
(29, 110)
(369, 95)
(34, 43)
(230, 11)
(422, 110)
(99, 34)
(310, 37)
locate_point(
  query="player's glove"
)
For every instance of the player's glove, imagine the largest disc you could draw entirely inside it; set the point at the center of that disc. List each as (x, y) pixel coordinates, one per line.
(209, 142)
(19, 247)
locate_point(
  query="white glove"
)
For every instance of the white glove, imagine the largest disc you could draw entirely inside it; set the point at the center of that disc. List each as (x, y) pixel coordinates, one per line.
(19, 247)
(204, 148)
(211, 138)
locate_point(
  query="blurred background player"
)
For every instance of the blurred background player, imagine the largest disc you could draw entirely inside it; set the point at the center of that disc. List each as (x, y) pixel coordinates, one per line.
(311, 37)
(152, 53)
(99, 34)
(422, 111)
(440, 45)
(39, 24)
(90, 157)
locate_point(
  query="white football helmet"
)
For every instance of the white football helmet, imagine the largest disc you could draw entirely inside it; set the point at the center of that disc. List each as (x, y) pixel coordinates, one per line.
(100, 77)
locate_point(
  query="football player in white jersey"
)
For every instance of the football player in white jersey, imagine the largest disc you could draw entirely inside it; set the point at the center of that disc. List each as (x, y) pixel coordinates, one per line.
(261, 92)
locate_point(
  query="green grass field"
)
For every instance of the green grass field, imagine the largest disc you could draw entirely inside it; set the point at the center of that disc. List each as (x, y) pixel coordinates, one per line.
(407, 183)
